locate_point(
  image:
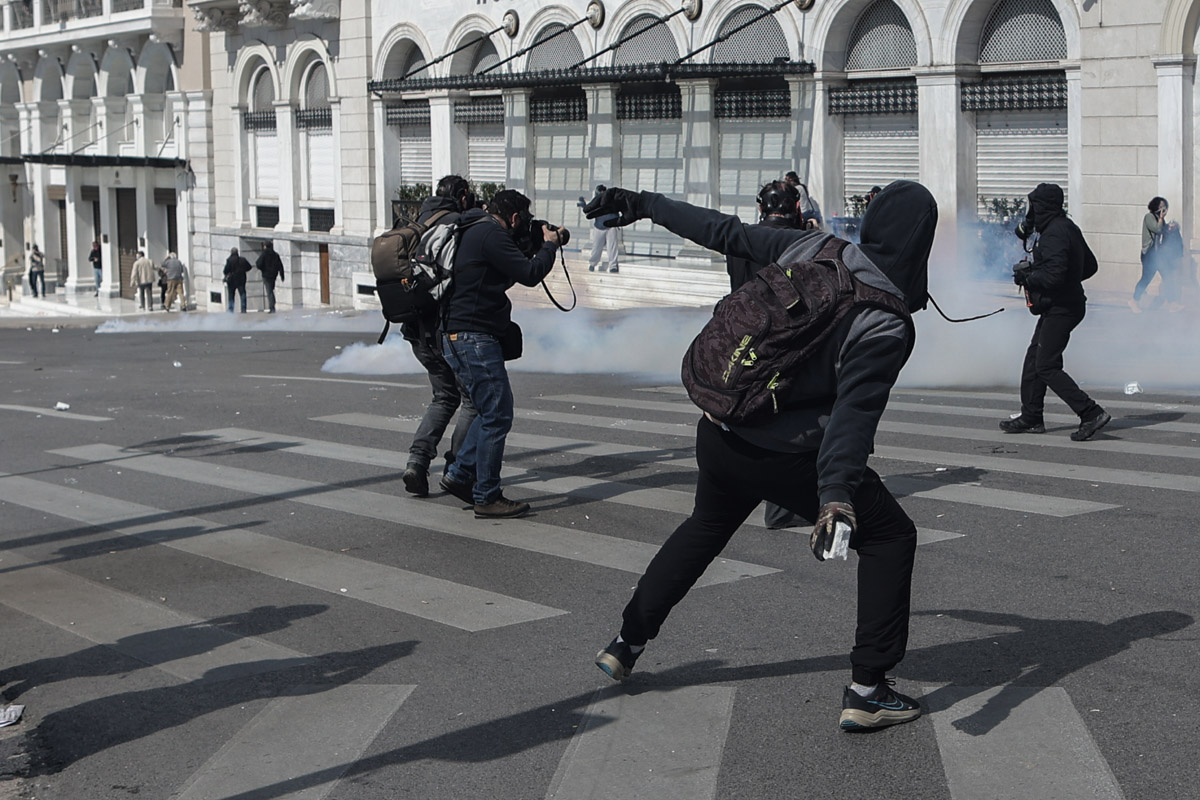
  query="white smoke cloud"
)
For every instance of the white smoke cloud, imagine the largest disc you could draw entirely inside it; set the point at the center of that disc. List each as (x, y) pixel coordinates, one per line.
(202, 322)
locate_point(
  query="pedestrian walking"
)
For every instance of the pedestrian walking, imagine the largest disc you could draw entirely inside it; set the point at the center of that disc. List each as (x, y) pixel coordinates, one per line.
(1156, 260)
(143, 278)
(175, 274)
(37, 271)
(236, 268)
(811, 457)
(1053, 285)
(452, 198)
(604, 238)
(478, 332)
(270, 265)
(97, 262)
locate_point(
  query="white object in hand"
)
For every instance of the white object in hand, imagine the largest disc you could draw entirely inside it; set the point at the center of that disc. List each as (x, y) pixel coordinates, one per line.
(839, 547)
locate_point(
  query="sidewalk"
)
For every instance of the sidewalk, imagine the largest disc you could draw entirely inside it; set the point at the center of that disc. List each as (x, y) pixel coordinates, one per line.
(60, 306)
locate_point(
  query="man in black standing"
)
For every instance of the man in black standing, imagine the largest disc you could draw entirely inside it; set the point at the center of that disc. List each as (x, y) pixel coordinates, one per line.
(271, 266)
(453, 197)
(97, 261)
(1053, 285)
(236, 269)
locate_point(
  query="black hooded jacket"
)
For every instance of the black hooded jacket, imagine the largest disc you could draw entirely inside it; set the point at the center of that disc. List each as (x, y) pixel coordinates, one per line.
(236, 268)
(849, 380)
(740, 270)
(1060, 254)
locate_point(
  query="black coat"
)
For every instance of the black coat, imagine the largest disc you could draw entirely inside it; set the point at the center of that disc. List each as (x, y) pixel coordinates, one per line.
(236, 268)
(740, 270)
(1060, 256)
(270, 265)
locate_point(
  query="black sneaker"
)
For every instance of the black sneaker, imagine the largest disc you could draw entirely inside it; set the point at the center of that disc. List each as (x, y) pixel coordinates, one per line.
(463, 491)
(617, 660)
(879, 709)
(1088, 428)
(416, 480)
(501, 508)
(1022, 424)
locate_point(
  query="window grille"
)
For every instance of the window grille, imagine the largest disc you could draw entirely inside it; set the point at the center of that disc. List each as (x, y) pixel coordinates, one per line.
(485, 57)
(875, 97)
(263, 96)
(259, 120)
(321, 219)
(559, 108)
(764, 41)
(1016, 93)
(127, 5)
(266, 216)
(560, 52)
(650, 101)
(22, 14)
(410, 112)
(316, 88)
(1019, 31)
(753, 105)
(479, 109)
(881, 39)
(652, 42)
(312, 119)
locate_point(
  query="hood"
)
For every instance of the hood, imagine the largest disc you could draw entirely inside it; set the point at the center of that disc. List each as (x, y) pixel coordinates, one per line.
(436, 203)
(897, 235)
(1045, 203)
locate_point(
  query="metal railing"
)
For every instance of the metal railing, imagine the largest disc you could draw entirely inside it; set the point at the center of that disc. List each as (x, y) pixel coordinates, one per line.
(67, 10)
(21, 13)
(127, 5)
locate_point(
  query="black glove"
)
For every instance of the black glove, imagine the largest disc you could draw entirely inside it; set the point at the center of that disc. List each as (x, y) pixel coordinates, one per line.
(823, 532)
(1021, 272)
(624, 203)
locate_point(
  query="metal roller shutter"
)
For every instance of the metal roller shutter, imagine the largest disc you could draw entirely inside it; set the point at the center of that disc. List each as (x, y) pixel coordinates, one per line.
(416, 155)
(561, 173)
(879, 149)
(752, 152)
(266, 165)
(486, 159)
(1017, 150)
(651, 160)
(321, 171)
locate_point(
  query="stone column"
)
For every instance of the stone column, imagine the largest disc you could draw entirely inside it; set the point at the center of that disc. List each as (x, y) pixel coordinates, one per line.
(242, 216)
(1176, 79)
(449, 141)
(1074, 140)
(947, 157)
(826, 165)
(196, 210)
(289, 168)
(701, 178)
(604, 157)
(387, 170)
(802, 91)
(518, 140)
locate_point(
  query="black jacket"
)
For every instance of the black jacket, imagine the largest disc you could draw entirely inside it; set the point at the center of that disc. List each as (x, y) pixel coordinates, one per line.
(270, 265)
(486, 264)
(848, 381)
(1059, 255)
(236, 268)
(740, 270)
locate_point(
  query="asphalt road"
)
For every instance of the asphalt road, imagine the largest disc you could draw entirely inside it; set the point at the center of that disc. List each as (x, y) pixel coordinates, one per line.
(213, 586)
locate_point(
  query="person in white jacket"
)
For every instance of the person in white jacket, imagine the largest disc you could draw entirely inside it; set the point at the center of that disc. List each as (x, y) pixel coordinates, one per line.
(143, 278)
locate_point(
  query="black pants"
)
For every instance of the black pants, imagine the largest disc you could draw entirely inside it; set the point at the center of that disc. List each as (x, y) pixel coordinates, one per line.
(1044, 367)
(735, 476)
(1149, 269)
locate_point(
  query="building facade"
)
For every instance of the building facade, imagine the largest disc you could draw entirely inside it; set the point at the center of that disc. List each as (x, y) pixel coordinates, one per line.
(234, 122)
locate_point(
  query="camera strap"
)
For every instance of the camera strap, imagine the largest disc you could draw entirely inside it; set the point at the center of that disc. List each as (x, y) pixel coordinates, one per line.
(967, 319)
(574, 297)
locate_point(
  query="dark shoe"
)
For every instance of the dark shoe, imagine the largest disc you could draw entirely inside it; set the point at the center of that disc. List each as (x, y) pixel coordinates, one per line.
(1088, 428)
(463, 491)
(881, 708)
(613, 271)
(416, 480)
(1022, 424)
(617, 660)
(501, 508)
(591, 268)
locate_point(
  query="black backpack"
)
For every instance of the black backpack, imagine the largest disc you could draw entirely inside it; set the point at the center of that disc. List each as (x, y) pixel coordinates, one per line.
(742, 366)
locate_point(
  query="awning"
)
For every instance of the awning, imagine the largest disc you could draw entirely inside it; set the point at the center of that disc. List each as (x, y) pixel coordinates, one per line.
(74, 160)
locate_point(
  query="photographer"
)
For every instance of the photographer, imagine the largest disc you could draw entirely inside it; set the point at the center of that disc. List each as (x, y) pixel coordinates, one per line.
(1154, 231)
(1053, 284)
(478, 334)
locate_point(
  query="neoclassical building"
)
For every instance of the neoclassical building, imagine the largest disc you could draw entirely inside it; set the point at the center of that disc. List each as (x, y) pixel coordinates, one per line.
(234, 122)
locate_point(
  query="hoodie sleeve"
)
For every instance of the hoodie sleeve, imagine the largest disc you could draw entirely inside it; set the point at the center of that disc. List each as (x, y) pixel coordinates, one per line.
(1052, 264)
(724, 233)
(869, 363)
(507, 258)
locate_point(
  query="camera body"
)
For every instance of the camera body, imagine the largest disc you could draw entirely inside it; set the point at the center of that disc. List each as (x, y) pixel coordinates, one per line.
(530, 240)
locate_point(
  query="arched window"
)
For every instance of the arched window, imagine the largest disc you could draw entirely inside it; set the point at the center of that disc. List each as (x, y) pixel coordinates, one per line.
(881, 39)
(560, 52)
(1019, 31)
(651, 42)
(264, 144)
(315, 121)
(761, 42)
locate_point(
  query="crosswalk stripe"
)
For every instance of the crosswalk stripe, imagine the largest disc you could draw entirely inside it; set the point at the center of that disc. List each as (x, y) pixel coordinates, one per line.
(1097, 445)
(286, 378)
(993, 498)
(1018, 741)
(187, 647)
(320, 732)
(51, 412)
(596, 549)
(411, 593)
(1183, 403)
(609, 491)
(664, 744)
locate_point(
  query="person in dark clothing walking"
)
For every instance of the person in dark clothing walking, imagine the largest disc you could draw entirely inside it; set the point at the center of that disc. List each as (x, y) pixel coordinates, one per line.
(811, 457)
(271, 266)
(424, 336)
(236, 269)
(477, 320)
(96, 258)
(37, 271)
(1053, 286)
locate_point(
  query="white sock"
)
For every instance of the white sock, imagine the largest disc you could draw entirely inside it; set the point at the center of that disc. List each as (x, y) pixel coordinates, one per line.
(633, 648)
(863, 691)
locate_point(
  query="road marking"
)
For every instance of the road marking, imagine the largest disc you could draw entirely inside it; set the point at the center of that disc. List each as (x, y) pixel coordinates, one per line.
(665, 744)
(187, 647)
(453, 604)
(340, 380)
(51, 412)
(318, 732)
(591, 548)
(974, 494)
(1018, 741)
(1185, 403)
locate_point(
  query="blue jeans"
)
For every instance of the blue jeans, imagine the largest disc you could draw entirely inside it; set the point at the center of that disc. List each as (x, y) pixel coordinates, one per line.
(479, 365)
(447, 397)
(99, 273)
(36, 276)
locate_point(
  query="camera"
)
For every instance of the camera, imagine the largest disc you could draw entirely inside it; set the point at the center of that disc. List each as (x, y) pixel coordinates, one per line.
(531, 239)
